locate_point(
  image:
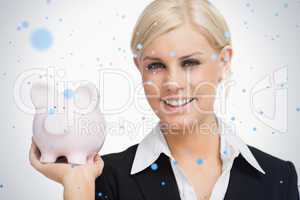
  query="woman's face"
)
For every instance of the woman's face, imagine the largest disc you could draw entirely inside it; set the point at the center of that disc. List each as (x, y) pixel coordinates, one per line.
(180, 72)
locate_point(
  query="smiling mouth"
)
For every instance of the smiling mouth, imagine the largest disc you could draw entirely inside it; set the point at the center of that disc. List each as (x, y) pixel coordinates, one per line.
(178, 102)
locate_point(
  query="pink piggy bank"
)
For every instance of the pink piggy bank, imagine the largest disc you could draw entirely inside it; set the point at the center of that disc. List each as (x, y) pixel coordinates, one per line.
(67, 122)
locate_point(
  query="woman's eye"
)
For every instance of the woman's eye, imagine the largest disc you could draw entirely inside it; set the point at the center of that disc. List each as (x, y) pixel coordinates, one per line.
(154, 66)
(189, 63)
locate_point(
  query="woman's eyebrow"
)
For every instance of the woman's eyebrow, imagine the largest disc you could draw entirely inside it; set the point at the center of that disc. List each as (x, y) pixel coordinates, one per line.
(181, 58)
(150, 58)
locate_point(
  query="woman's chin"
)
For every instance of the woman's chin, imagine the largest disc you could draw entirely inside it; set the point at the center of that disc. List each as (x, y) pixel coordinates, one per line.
(179, 122)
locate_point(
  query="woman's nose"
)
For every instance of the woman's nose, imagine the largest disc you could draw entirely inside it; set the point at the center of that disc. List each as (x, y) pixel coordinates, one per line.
(174, 80)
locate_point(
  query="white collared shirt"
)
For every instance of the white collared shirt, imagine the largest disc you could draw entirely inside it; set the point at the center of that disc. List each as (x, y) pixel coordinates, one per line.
(231, 146)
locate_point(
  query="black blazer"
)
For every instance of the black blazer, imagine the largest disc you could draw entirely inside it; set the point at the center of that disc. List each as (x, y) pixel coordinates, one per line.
(246, 183)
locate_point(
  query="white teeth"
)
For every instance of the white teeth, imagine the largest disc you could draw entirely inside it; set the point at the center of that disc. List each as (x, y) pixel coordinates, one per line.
(178, 102)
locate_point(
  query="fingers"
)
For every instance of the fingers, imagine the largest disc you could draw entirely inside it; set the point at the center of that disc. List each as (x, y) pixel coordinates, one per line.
(90, 159)
(98, 165)
(57, 171)
(97, 158)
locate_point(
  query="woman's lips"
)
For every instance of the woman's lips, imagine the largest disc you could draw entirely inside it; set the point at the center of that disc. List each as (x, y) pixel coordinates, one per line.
(178, 105)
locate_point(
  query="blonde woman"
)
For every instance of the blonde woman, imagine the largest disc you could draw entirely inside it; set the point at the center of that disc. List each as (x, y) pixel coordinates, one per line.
(182, 49)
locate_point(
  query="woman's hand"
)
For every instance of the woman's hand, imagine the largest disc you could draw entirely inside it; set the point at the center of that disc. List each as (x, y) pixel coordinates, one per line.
(65, 173)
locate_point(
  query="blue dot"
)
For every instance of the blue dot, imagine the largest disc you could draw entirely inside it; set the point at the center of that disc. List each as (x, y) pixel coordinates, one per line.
(261, 112)
(214, 56)
(298, 109)
(173, 53)
(25, 24)
(225, 152)
(51, 111)
(163, 183)
(227, 34)
(99, 194)
(154, 166)
(139, 46)
(41, 39)
(232, 118)
(199, 161)
(174, 162)
(68, 93)
(254, 129)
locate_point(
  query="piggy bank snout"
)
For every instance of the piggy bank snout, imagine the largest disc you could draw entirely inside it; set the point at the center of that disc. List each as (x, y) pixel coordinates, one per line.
(56, 124)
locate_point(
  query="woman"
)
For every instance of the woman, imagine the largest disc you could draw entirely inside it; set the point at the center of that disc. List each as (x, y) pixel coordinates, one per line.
(182, 49)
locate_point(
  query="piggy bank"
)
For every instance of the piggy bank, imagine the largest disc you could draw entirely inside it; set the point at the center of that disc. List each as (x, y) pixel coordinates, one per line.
(67, 122)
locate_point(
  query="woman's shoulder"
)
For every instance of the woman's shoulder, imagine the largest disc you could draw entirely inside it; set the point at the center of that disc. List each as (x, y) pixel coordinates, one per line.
(268, 160)
(273, 165)
(278, 171)
(115, 172)
(124, 158)
(264, 157)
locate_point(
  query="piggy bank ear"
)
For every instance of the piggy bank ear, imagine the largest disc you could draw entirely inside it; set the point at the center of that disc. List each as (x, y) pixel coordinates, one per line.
(86, 96)
(39, 94)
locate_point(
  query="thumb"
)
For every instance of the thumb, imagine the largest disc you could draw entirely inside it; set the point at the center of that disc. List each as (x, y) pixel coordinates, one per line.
(90, 159)
(98, 165)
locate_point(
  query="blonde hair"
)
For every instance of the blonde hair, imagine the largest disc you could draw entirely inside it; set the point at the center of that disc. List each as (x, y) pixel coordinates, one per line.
(162, 16)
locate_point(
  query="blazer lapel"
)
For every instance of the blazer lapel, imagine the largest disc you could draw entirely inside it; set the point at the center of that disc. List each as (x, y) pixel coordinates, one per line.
(159, 183)
(244, 180)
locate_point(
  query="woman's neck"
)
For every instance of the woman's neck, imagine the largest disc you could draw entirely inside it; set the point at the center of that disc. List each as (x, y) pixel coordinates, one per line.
(202, 140)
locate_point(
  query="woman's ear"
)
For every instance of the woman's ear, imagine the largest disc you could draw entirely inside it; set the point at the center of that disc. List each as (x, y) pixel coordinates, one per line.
(225, 60)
